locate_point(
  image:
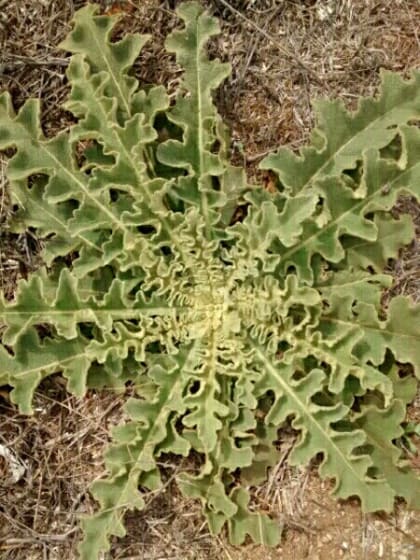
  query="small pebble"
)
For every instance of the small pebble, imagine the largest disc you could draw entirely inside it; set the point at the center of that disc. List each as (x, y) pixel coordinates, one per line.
(326, 538)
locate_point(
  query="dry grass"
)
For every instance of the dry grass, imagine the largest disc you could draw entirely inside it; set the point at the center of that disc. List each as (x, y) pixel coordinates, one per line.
(283, 53)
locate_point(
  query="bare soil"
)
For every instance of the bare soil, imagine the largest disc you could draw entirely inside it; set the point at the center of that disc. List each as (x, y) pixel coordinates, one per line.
(283, 54)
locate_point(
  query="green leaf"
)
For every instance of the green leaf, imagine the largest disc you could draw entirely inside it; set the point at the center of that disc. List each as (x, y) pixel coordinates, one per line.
(90, 37)
(400, 333)
(341, 137)
(195, 113)
(33, 360)
(227, 309)
(348, 213)
(133, 454)
(53, 223)
(261, 528)
(392, 236)
(318, 435)
(382, 427)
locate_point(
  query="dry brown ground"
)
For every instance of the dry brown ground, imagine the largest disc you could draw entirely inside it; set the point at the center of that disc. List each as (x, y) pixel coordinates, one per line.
(283, 53)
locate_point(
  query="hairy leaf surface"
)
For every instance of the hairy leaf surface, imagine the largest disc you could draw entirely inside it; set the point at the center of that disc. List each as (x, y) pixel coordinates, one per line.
(230, 311)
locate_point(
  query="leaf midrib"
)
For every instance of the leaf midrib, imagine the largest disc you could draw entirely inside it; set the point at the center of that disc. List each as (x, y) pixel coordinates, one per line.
(111, 72)
(55, 363)
(85, 191)
(153, 426)
(306, 412)
(353, 209)
(346, 144)
(54, 217)
(371, 328)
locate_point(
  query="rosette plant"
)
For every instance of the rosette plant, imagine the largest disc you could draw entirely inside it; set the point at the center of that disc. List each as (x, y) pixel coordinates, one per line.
(229, 309)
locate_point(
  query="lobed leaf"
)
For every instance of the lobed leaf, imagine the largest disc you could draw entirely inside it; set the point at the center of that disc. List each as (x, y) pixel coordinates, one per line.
(229, 310)
(341, 137)
(382, 426)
